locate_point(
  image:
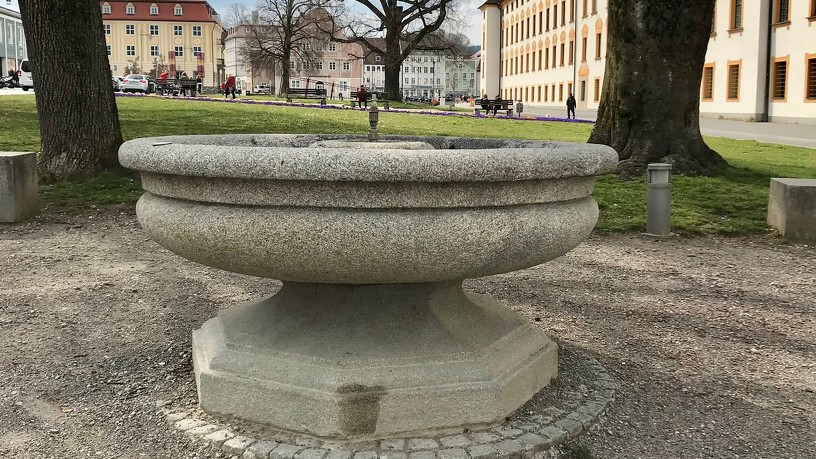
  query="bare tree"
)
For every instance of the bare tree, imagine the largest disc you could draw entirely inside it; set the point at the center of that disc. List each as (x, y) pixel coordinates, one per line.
(79, 122)
(650, 112)
(282, 32)
(404, 24)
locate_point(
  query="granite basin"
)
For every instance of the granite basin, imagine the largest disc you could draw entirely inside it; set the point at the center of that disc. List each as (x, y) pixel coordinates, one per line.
(371, 335)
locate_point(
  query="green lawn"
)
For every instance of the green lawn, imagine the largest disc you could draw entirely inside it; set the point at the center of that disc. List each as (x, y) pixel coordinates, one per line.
(734, 203)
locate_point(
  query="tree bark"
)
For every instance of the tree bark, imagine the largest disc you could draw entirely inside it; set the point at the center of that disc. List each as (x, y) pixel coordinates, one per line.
(79, 121)
(650, 109)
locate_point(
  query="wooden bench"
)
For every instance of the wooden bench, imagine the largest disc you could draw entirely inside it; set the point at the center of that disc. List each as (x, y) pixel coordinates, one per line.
(500, 106)
(177, 86)
(355, 98)
(309, 93)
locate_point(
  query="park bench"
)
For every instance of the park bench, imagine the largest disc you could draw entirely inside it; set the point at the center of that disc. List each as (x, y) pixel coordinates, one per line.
(355, 98)
(308, 93)
(500, 106)
(176, 86)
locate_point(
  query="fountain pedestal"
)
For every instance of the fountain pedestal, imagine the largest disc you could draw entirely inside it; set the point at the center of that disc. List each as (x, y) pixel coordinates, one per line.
(371, 335)
(356, 361)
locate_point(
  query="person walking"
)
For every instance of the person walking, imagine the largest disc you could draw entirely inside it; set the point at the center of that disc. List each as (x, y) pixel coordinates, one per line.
(229, 86)
(571, 106)
(199, 83)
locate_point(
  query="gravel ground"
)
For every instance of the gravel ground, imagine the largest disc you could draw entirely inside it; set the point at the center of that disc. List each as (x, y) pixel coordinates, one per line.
(712, 341)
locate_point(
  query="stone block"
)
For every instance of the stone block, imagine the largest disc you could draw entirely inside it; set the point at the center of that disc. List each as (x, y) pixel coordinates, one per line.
(237, 445)
(261, 450)
(218, 437)
(454, 441)
(792, 208)
(453, 453)
(18, 186)
(422, 443)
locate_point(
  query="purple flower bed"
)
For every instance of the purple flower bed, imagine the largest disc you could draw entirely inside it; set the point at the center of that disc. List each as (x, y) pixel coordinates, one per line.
(343, 107)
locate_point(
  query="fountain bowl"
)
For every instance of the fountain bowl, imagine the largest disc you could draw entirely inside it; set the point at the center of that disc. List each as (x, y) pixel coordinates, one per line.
(371, 335)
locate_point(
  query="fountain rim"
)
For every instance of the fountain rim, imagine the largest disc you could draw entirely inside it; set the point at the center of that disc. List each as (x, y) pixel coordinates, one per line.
(290, 157)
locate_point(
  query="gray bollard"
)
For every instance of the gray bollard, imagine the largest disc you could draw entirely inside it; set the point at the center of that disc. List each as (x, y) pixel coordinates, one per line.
(658, 200)
(373, 119)
(19, 188)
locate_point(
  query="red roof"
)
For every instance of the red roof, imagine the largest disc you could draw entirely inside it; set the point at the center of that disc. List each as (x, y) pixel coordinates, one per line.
(192, 10)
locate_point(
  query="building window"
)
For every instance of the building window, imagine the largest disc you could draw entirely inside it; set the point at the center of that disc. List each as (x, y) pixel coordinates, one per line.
(547, 58)
(779, 83)
(154, 10)
(177, 10)
(708, 82)
(810, 81)
(154, 50)
(585, 8)
(555, 16)
(320, 65)
(561, 92)
(179, 51)
(346, 66)
(129, 9)
(106, 9)
(782, 11)
(598, 45)
(130, 29)
(178, 30)
(548, 20)
(291, 65)
(107, 28)
(736, 14)
(332, 65)
(332, 47)
(572, 11)
(294, 83)
(563, 47)
(109, 49)
(594, 6)
(583, 49)
(597, 95)
(196, 51)
(154, 29)
(572, 51)
(130, 50)
(306, 65)
(583, 90)
(563, 12)
(733, 81)
(813, 8)
(196, 30)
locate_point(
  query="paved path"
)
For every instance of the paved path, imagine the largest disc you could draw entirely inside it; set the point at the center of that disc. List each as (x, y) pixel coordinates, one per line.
(802, 135)
(14, 92)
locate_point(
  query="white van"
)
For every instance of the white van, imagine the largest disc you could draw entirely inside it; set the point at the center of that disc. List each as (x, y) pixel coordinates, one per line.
(24, 74)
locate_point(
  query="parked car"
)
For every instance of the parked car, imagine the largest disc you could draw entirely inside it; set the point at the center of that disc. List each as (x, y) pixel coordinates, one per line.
(115, 83)
(261, 89)
(24, 74)
(119, 82)
(136, 83)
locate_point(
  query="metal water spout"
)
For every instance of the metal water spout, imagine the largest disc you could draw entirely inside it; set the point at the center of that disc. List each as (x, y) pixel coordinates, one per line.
(373, 119)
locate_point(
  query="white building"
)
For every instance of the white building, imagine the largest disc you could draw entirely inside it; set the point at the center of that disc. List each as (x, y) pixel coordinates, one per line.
(759, 65)
(12, 39)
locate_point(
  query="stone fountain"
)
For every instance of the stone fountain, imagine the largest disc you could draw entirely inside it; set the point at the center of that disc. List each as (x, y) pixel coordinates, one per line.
(371, 335)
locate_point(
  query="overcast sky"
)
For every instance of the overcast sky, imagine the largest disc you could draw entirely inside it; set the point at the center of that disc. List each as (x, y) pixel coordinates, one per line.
(471, 27)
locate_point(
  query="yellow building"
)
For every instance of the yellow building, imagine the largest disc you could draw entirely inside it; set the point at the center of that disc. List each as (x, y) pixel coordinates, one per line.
(176, 35)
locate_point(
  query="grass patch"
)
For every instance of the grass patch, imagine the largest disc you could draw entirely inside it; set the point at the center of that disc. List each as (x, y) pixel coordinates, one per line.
(734, 203)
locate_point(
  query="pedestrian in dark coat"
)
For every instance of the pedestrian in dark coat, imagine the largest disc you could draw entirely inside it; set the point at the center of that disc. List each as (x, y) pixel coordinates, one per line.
(571, 106)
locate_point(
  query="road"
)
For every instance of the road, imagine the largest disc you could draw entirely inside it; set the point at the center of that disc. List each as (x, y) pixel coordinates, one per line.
(801, 135)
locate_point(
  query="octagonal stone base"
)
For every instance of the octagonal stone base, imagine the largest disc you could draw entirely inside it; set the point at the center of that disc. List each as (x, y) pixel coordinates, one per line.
(346, 361)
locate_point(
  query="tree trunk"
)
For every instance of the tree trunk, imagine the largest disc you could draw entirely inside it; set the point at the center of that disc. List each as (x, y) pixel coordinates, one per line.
(285, 59)
(79, 121)
(650, 109)
(393, 58)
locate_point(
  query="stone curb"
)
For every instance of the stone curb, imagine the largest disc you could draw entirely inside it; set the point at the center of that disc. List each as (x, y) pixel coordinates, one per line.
(539, 438)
